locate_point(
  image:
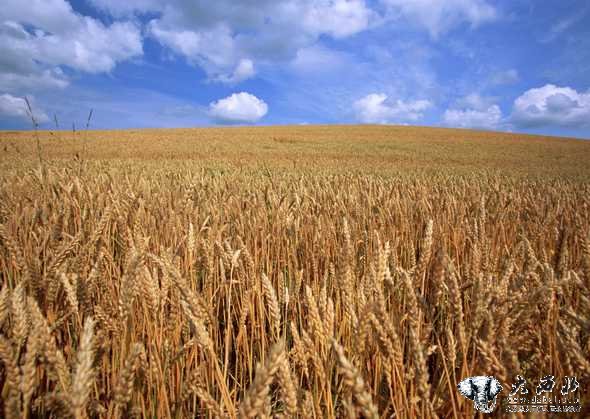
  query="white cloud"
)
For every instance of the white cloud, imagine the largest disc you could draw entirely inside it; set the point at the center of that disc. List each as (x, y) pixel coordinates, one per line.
(545, 106)
(238, 108)
(552, 105)
(16, 107)
(92, 47)
(212, 49)
(18, 68)
(339, 18)
(475, 111)
(88, 46)
(40, 36)
(37, 79)
(440, 16)
(374, 109)
(490, 118)
(55, 16)
(243, 71)
(120, 8)
(219, 36)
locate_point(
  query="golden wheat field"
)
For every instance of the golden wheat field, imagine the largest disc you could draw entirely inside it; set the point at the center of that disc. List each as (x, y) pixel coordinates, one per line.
(313, 272)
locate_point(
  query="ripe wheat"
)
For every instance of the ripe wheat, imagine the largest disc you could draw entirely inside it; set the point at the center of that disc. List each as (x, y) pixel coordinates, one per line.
(275, 279)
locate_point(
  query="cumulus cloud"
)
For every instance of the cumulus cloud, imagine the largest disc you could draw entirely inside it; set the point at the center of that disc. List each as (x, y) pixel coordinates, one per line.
(37, 79)
(18, 68)
(440, 16)
(55, 16)
(213, 48)
(91, 47)
(222, 36)
(375, 109)
(225, 36)
(38, 37)
(125, 8)
(238, 108)
(338, 18)
(552, 105)
(16, 107)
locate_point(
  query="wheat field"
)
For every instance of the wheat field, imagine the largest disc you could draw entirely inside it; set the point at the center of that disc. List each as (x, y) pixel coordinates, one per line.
(313, 272)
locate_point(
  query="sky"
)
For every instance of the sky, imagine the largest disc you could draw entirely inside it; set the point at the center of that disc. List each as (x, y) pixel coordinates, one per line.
(506, 65)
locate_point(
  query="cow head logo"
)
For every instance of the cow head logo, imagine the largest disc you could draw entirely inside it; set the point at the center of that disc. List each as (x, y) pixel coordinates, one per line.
(482, 390)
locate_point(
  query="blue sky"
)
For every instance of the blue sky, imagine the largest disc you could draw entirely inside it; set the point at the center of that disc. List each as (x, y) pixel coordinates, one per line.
(518, 65)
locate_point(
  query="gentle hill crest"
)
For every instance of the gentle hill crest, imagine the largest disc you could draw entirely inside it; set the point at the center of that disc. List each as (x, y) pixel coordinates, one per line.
(375, 148)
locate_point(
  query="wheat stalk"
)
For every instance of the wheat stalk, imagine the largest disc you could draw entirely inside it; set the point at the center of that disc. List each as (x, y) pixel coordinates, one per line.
(354, 380)
(272, 303)
(254, 400)
(83, 378)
